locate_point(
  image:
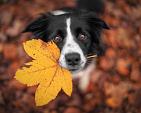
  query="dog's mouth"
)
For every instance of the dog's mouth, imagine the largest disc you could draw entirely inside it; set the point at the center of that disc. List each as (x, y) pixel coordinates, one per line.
(75, 68)
(72, 68)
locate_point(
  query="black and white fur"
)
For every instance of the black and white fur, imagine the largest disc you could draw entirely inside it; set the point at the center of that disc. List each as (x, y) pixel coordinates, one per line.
(77, 34)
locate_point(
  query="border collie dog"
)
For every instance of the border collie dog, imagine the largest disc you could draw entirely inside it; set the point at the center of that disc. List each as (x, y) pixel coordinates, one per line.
(77, 34)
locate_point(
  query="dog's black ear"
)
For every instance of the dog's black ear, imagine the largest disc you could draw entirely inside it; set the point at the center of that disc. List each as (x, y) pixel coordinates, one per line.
(98, 23)
(94, 21)
(39, 26)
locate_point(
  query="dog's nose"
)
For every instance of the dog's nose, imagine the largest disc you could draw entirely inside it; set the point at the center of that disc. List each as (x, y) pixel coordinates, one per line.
(72, 59)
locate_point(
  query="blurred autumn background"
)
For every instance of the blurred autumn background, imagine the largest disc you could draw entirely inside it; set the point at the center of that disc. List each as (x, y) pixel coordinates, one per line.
(115, 85)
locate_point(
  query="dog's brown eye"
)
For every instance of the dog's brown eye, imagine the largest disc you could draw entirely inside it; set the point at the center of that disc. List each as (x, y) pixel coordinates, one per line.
(82, 37)
(58, 38)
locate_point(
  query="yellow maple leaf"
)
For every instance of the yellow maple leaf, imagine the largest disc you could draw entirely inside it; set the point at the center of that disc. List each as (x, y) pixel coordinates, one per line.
(44, 71)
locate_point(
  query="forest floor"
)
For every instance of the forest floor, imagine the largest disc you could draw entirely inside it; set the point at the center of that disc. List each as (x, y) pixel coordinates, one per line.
(115, 85)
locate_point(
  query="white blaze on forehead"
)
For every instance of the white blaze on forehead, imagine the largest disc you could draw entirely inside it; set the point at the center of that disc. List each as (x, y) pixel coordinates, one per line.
(59, 12)
(70, 46)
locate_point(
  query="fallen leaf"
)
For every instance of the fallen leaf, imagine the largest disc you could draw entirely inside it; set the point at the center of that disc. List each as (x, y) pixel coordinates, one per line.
(44, 71)
(10, 51)
(122, 66)
(116, 93)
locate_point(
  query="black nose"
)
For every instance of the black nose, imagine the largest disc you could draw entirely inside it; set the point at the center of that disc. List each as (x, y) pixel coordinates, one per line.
(72, 59)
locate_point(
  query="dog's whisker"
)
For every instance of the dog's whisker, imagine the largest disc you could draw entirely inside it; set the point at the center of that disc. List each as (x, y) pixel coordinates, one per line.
(92, 56)
(89, 60)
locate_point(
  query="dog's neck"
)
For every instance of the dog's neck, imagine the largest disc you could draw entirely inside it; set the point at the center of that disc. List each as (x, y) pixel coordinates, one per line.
(84, 76)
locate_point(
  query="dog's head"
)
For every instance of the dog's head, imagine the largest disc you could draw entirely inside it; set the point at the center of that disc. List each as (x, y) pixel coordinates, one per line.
(77, 34)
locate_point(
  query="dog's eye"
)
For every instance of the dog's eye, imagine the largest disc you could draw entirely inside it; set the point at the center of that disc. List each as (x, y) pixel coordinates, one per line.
(58, 38)
(82, 37)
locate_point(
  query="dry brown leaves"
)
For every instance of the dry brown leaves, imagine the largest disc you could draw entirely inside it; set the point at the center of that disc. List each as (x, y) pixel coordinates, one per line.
(120, 64)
